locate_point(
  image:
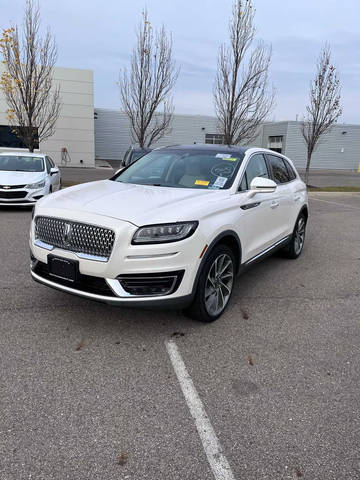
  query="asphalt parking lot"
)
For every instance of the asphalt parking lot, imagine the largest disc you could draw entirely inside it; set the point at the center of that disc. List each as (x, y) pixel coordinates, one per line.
(89, 391)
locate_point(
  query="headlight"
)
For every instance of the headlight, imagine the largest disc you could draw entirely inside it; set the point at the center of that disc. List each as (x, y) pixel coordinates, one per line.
(34, 186)
(164, 233)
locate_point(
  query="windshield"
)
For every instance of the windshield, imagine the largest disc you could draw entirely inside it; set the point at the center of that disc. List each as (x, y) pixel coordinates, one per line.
(13, 163)
(201, 169)
(137, 155)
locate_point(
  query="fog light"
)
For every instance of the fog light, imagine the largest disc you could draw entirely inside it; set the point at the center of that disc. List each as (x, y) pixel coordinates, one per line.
(151, 284)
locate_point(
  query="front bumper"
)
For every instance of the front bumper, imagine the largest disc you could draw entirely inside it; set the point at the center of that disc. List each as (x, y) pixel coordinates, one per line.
(164, 302)
(21, 197)
(127, 262)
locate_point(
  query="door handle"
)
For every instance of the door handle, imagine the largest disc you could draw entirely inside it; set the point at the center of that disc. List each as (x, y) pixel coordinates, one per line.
(274, 204)
(247, 206)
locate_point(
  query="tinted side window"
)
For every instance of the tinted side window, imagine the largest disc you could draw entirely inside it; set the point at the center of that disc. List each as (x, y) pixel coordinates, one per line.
(279, 169)
(243, 184)
(51, 162)
(126, 157)
(255, 168)
(48, 164)
(137, 155)
(290, 170)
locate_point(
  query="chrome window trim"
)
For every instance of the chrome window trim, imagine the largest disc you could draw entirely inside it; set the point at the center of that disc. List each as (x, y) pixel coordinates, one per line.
(242, 176)
(275, 154)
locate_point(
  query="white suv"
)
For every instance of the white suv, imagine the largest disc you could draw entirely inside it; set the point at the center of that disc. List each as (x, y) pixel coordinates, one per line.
(172, 229)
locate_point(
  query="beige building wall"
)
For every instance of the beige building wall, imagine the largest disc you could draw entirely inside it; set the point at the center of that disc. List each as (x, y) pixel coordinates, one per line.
(75, 126)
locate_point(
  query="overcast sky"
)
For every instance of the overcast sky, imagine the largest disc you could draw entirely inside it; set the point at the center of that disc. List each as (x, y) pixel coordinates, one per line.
(99, 35)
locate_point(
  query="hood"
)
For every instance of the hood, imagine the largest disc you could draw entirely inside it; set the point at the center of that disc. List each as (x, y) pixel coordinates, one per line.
(138, 204)
(20, 178)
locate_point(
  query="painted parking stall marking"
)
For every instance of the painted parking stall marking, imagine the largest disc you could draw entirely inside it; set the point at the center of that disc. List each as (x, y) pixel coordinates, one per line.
(345, 205)
(217, 460)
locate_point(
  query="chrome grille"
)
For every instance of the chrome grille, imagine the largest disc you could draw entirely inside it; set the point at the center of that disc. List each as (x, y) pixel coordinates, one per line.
(80, 238)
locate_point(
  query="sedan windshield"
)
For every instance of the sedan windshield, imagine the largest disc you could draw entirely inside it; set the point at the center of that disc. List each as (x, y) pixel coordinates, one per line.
(13, 163)
(202, 169)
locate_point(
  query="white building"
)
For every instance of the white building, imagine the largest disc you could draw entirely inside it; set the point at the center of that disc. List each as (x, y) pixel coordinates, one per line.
(110, 136)
(113, 136)
(74, 127)
(338, 149)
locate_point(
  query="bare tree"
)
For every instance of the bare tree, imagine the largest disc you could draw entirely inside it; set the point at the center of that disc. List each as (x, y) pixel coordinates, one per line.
(241, 94)
(152, 76)
(324, 109)
(27, 82)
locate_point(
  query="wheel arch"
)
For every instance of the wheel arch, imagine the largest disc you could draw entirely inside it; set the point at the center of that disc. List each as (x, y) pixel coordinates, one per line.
(305, 211)
(228, 238)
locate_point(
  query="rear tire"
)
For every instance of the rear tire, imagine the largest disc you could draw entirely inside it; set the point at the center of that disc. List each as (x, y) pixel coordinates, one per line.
(294, 248)
(214, 287)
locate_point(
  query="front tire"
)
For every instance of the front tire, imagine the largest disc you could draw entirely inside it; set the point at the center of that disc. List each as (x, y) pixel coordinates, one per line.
(294, 248)
(215, 286)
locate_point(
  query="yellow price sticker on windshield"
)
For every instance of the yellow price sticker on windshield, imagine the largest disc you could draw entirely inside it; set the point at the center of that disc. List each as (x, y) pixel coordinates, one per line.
(202, 182)
(230, 159)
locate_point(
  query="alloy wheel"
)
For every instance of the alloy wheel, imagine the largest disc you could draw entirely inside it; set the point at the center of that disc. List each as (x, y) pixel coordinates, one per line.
(299, 236)
(219, 284)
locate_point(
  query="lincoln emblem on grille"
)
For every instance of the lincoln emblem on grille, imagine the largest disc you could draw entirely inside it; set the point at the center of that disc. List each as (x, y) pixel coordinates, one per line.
(67, 234)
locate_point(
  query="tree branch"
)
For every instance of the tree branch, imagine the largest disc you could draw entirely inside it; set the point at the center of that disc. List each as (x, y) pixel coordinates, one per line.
(242, 97)
(27, 83)
(148, 85)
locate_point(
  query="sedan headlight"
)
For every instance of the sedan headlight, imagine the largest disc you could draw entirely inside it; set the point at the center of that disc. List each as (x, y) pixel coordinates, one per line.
(34, 186)
(164, 233)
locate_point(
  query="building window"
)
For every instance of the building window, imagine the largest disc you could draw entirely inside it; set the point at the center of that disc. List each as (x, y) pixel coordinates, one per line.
(214, 138)
(275, 143)
(8, 138)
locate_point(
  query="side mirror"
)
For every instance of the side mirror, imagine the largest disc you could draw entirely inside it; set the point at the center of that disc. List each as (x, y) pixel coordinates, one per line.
(54, 170)
(262, 185)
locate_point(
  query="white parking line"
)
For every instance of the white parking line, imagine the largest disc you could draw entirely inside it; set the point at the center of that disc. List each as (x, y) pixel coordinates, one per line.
(217, 460)
(335, 203)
